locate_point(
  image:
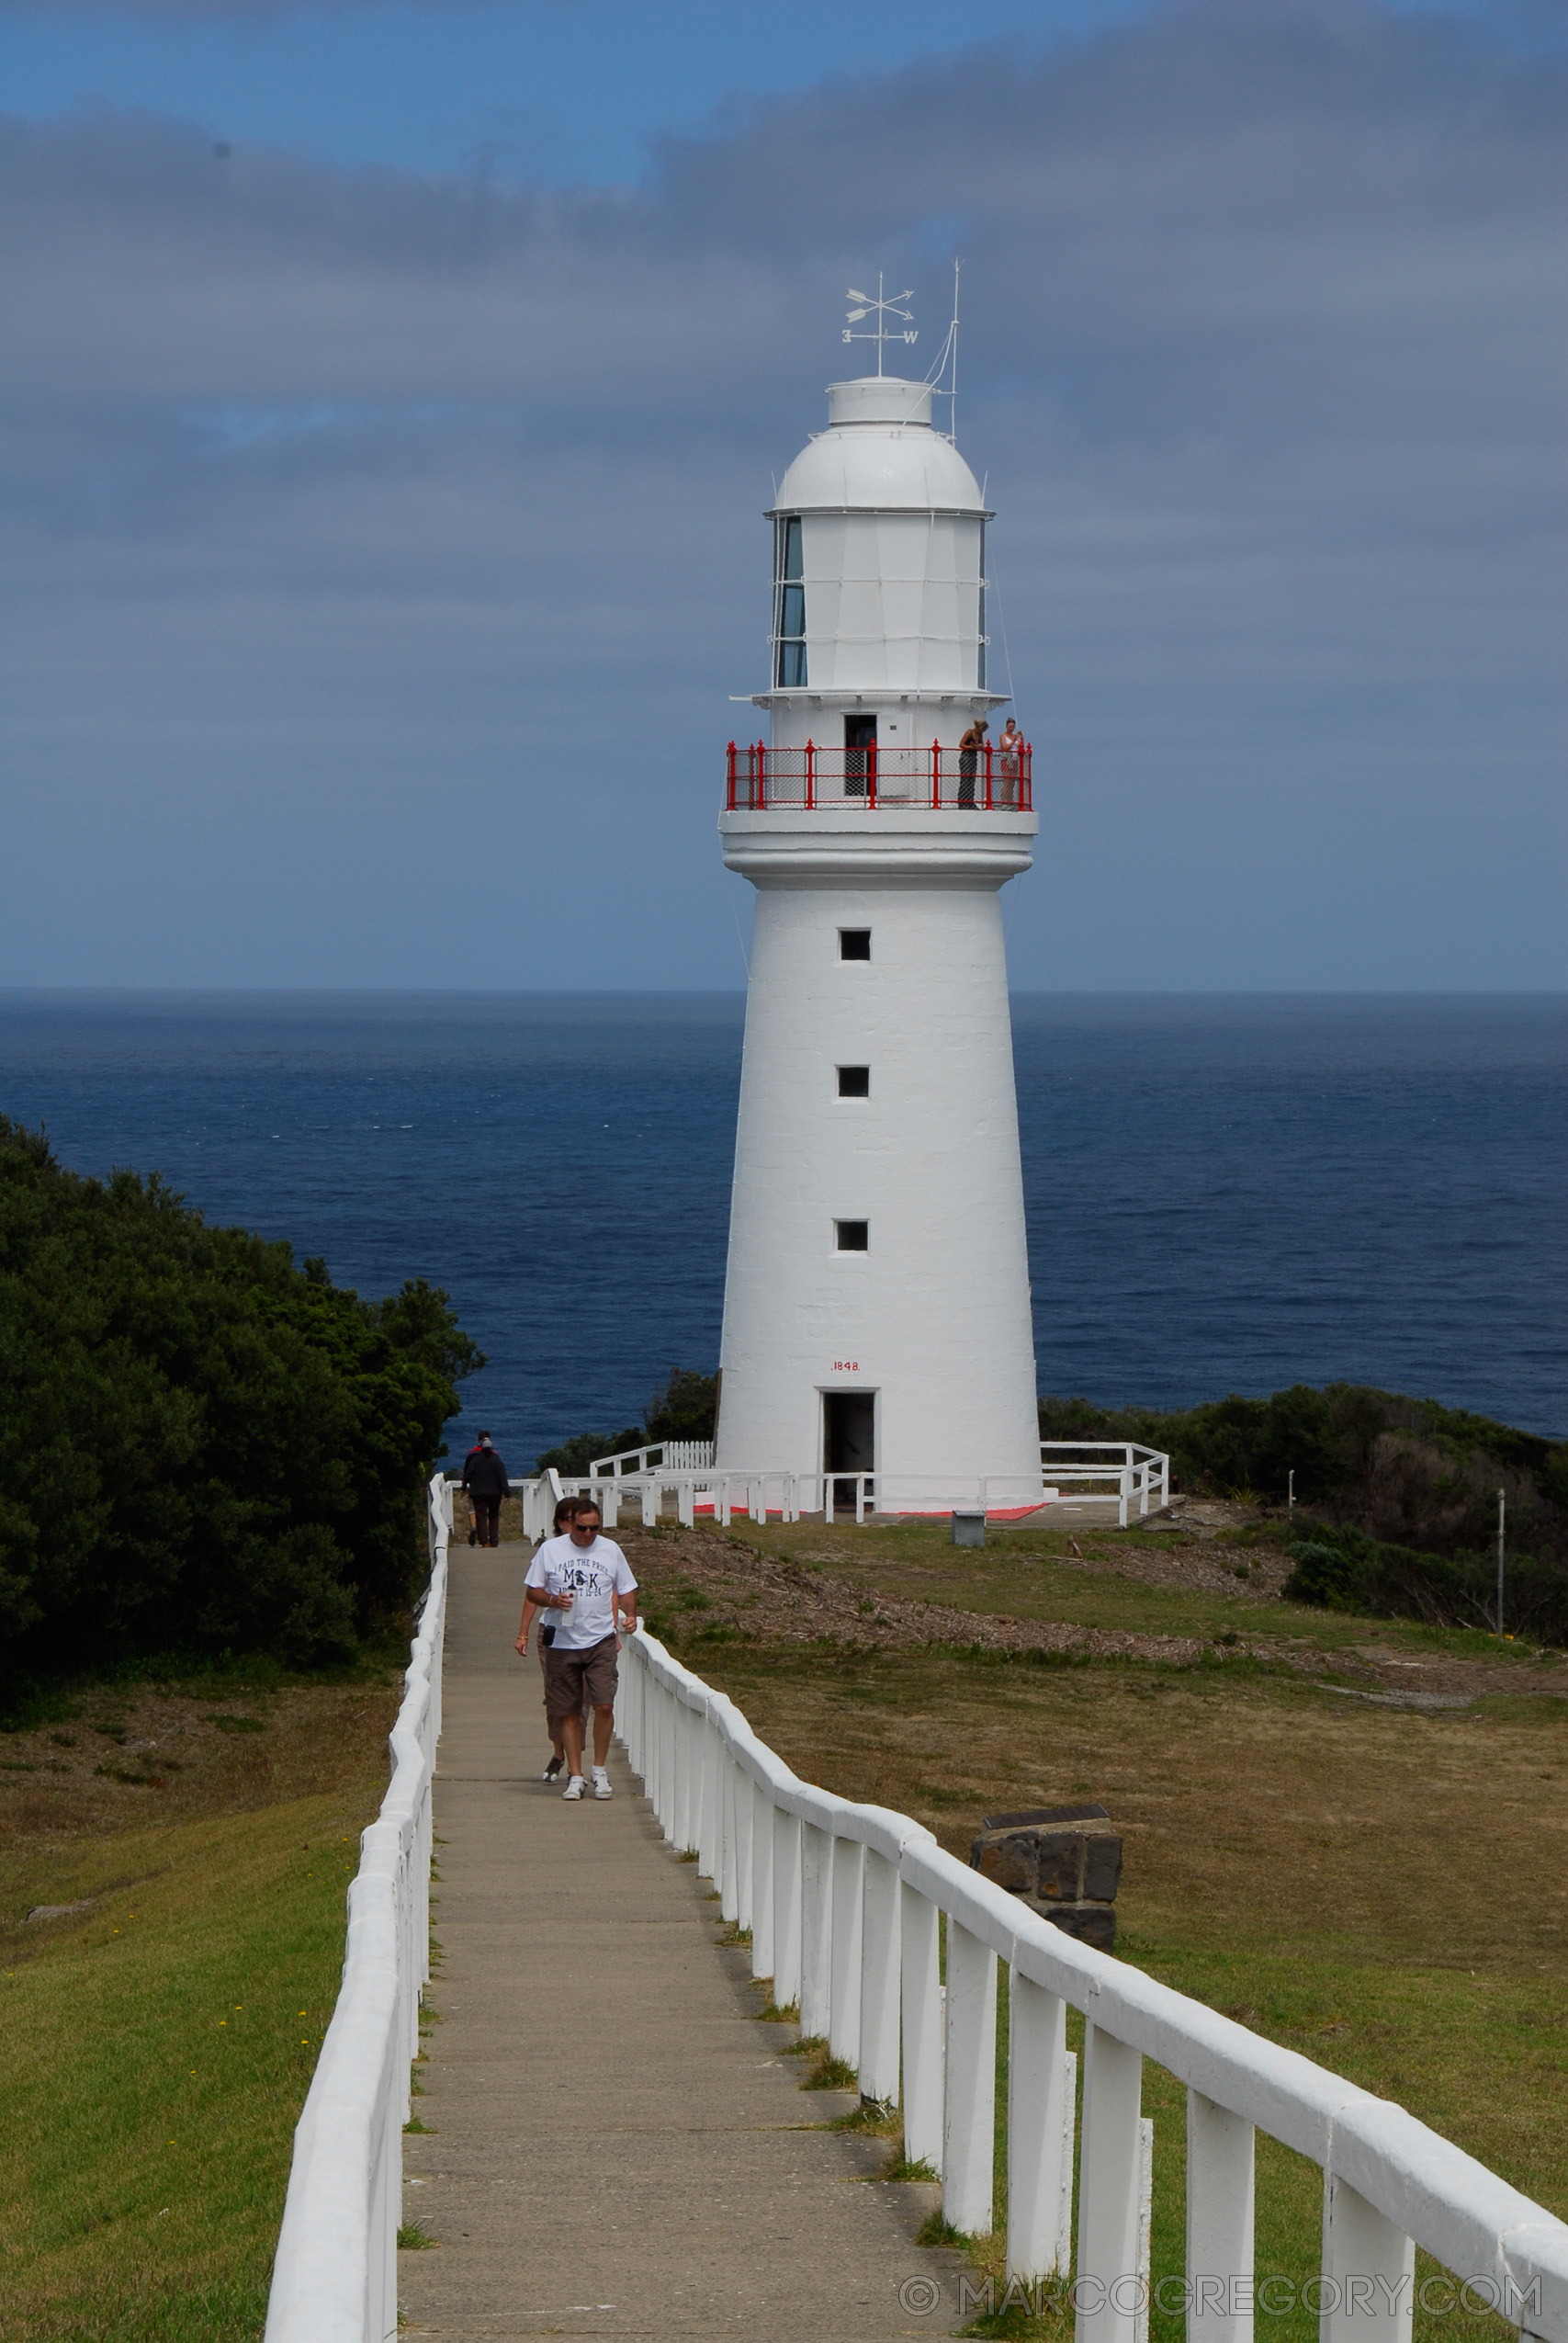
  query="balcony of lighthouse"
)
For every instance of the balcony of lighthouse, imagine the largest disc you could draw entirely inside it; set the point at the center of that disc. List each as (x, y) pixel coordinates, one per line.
(992, 779)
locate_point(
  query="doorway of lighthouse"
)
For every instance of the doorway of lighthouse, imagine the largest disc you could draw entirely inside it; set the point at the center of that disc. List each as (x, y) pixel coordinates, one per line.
(848, 1449)
(860, 755)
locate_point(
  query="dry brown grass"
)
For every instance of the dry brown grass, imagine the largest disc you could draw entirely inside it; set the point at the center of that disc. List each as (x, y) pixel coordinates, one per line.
(1382, 1888)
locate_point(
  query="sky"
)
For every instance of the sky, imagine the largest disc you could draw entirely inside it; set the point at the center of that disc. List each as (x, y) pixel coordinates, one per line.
(392, 396)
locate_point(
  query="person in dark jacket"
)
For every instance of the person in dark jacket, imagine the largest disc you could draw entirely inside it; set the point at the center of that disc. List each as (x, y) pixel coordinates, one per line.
(485, 1484)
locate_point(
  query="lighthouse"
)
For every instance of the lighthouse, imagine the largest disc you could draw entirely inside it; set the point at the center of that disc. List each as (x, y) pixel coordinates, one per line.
(876, 1312)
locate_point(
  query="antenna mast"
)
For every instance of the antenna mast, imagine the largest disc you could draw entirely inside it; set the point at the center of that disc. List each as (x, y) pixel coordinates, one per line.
(882, 309)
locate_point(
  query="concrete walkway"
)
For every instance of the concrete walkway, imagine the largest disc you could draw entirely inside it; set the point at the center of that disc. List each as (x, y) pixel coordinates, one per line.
(617, 2147)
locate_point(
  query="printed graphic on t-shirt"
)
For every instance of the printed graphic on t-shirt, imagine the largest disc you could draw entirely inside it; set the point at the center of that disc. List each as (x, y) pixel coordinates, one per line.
(592, 1575)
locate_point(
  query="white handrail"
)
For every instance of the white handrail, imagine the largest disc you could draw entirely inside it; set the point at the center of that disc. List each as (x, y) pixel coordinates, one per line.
(844, 1903)
(334, 2277)
(1141, 1477)
(680, 1455)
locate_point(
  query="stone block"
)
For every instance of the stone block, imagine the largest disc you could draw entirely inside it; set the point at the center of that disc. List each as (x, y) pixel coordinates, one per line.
(1009, 1859)
(1060, 1865)
(1102, 1866)
(1062, 1862)
(1091, 1923)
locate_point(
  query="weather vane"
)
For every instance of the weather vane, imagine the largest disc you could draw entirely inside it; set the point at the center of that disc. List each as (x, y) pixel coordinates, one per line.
(881, 309)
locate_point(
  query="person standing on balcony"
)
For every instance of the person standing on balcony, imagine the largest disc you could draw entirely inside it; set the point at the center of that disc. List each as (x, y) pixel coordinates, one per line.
(485, 1483)
(586, 1583)
(969, 748)
(1010, 750)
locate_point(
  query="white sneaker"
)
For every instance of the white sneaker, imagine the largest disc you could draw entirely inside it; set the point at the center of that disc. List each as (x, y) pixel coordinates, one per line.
(601, 1783)
(575, 1788)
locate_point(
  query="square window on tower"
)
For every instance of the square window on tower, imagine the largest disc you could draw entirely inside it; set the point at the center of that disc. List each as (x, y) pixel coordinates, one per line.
(854, 943)
(851, 1236)
(854, 1082)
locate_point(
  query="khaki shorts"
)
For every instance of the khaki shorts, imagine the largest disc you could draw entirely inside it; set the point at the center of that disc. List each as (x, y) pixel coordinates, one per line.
(574, 1677)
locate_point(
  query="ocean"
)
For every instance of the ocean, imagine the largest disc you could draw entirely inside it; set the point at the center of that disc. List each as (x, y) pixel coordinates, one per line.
(1225, 1193)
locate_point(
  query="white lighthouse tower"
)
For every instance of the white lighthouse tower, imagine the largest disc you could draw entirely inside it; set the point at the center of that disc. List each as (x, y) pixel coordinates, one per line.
(876, 1312)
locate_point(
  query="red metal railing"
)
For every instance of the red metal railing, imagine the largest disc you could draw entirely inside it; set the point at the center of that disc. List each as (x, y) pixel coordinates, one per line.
(994, 779)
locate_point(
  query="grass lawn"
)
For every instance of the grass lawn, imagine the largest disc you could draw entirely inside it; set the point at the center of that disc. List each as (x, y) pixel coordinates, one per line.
(160, 2041)
(1382, 1888)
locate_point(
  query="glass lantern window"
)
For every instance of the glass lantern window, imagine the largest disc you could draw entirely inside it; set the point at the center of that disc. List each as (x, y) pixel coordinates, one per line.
(789, 606)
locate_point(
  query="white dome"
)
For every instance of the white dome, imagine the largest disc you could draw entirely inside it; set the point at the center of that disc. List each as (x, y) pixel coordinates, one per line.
(875, 457)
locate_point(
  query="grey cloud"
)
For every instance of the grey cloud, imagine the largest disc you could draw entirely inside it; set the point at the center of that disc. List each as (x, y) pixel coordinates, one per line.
(358, 496)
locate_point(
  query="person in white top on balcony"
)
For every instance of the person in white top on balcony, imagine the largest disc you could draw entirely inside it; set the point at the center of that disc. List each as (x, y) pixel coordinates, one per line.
(1011, 751)
(586, 1581)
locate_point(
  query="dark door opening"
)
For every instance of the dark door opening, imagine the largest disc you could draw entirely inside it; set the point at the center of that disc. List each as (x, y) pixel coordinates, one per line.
(860, 754)
(848, 1445)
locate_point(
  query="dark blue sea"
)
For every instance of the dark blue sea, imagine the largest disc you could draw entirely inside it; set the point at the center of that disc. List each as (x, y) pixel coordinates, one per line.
(1225, 1194)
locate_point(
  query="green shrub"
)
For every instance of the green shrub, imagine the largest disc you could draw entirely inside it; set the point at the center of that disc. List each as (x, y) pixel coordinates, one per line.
(685, 1407)
(1407, 1491)
(203, 1446)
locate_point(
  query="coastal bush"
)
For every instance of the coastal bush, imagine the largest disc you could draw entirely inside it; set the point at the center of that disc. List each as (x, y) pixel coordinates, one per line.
(204, 1447)
(1407, 1493)
(684, 1407)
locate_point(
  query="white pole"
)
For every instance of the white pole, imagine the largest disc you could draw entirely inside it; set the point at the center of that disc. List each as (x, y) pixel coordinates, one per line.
(1501, 1515)
(843, 2022)
(762, 1815)
(969, 2112)
(1372, 2266)
(815, 1932)
(879, 1980)
(1109, 2162)
(1037, 2082)
(1291, 1498)
(787, 1909)
(921, 1964)
(1219, 2222)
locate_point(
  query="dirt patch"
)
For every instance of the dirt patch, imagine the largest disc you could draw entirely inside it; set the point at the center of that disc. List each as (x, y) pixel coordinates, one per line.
(702, 1580)
(709, 1585)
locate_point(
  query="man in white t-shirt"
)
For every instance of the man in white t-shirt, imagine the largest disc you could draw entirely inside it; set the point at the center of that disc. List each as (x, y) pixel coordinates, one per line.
(585, 1582)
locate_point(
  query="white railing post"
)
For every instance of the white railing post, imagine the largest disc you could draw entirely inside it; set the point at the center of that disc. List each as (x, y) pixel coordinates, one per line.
(1369, 2271)
(815, 1930)
(688, 1779)
(787, 1909)
(709, 1846)
(1107, 2284)
(761, 1881)
(843, 2019)
(969, 2110)
(669, 1760)
(745, 1823)
(652, 1499)
(920, 1966)
(879, 1980)
(727, 1878)
(1037, 2089)
(1219, 2222)
(686, 1503)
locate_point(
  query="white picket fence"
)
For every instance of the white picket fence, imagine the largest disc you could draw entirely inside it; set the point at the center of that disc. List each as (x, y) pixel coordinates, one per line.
(846, 1903)
(334, 2279)
(677, 1456)
(638, 1480)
